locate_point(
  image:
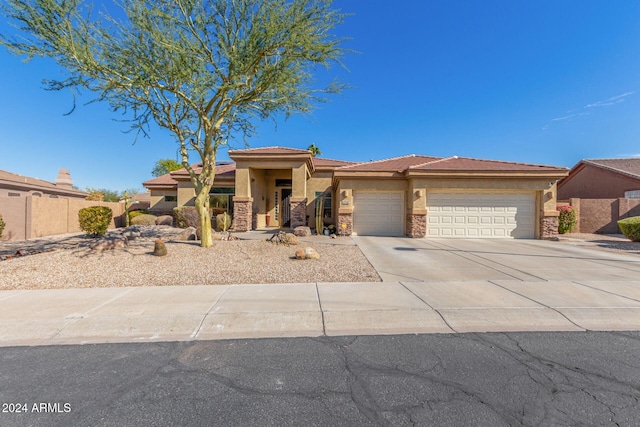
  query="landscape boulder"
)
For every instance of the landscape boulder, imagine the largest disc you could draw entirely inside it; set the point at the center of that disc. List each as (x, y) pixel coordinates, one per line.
(109, 244)
(164, 220)
(302, 231)
(188, 233)
(307, 253)
(291, 239)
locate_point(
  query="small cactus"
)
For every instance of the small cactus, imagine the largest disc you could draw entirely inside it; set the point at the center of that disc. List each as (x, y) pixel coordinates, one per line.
(160, 249)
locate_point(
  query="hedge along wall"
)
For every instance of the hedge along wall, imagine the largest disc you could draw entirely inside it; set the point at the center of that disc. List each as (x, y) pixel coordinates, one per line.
(31, 217)
(601, 215)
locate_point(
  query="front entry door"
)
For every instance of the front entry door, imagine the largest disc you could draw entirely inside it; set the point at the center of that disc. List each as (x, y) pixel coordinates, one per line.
(285, 207)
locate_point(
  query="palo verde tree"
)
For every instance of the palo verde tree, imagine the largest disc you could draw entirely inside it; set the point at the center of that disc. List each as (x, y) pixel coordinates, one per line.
(206, 70)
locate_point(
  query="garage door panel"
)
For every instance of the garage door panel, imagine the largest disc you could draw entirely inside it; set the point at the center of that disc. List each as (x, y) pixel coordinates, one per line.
(487, 215)
(378, 213)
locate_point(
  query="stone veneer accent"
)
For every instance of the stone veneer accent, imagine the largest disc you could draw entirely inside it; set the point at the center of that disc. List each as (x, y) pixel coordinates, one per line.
(298, 212)
(242, 213)
(548, 227)
(345, 218)
(416, 225)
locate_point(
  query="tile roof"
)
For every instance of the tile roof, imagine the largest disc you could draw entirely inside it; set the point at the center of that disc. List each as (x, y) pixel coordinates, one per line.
(320, 162)
(10, 178)
(169, 178)
(221, 169)
(396, 164)
(456, 163)
(629, 166)
(270, 150)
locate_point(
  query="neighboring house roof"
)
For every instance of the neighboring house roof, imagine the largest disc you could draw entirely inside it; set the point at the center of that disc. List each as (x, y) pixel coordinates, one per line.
(395, 164)
(139, 197)
(18, 182)
(467, 164)
(629, 167)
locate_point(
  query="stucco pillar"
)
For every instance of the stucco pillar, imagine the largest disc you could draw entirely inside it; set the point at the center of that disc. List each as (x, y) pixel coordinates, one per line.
(298, 211)
(242, 213)
(416, 219)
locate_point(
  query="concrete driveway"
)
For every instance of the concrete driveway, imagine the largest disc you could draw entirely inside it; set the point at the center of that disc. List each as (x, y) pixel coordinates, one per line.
(399, 259)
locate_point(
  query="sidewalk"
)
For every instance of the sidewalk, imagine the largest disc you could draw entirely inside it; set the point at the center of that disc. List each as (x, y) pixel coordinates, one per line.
(145, 314)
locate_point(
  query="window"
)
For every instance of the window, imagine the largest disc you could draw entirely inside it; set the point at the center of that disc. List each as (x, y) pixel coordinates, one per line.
(327, 202)
(14, 194)
(221, 200)
(170, 198)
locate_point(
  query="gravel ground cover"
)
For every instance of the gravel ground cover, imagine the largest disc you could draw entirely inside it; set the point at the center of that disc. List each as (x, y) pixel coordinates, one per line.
(74, 265)
(611, 242)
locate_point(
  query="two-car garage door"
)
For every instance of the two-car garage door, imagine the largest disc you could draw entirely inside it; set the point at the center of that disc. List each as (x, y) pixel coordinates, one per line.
(470, 215)
(484, 215)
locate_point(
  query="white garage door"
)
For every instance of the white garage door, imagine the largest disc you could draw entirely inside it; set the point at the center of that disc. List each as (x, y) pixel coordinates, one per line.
(481, 215)
(378, 214)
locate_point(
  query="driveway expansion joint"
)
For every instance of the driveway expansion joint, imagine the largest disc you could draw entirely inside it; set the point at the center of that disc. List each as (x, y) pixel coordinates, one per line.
(542, 304)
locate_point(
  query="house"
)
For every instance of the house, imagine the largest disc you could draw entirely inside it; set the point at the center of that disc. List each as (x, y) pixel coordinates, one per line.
(411, 195)
(602, 179)
(14, 185)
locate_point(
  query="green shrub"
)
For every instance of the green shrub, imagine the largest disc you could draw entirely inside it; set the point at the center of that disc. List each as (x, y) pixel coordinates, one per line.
(95, 220)
(186, 216)
(223, 222)
(2, 225)
(630, 227)
(567, 219)
(144, 219)
(134, 214)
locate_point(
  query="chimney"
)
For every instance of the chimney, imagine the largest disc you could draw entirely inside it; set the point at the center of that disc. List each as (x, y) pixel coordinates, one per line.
(64, 179)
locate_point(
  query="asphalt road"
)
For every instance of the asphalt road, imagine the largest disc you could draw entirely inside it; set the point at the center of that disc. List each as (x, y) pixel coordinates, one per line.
(577, 378)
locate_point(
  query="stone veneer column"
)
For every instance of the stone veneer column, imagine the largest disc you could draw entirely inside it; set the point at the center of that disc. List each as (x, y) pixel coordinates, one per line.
(416, 225)
(298, 212)
(548, 227)
(345, 218)
(242, 212)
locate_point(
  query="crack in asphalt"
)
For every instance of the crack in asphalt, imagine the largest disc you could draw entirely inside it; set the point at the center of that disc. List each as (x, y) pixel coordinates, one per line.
(579, 378)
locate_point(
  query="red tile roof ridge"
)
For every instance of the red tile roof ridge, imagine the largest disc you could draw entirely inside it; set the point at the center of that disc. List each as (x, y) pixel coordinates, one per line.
(382, 160)
(506, 162)
(442, 159)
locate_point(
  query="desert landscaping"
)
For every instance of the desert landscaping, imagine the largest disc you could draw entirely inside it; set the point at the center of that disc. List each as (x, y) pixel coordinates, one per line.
(72, 261)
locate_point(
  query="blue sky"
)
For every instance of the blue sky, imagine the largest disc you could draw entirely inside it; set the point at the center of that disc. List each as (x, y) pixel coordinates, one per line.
(547, 82)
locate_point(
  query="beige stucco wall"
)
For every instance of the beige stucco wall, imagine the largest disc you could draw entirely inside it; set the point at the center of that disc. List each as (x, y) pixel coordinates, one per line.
(319, 182)
(14, 214)
(258, 190)
(158, 204)
(31, 217)
(186, 194)
(346, 188)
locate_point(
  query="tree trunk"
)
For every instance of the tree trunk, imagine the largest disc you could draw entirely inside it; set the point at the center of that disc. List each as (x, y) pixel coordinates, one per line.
(202, 206)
